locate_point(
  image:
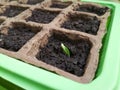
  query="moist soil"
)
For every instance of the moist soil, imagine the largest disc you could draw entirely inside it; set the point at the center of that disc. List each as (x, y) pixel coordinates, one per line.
(13, 11)
(15, 38)
(59, 5)
(42, 16)
(53, 54)
(82, 23)
(92, 9)
(32, 2)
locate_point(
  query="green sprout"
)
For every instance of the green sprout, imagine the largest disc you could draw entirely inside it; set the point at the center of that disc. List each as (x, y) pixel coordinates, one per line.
(65, 49)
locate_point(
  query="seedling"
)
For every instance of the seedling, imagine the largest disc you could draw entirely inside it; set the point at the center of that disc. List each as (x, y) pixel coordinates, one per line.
(65, 49)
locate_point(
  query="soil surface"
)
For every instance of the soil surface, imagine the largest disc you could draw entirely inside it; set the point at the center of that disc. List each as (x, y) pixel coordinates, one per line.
(59, 5)
(92, 9)
(82, 23)
(1, 21)
(42, 16)
(15, 38)
(32, 2)
(53, 54)
(13, 11)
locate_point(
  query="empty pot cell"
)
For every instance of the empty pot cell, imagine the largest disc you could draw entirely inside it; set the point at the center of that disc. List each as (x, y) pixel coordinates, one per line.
(32, 2)
(52, 53)
(12, 11)
(92, 9)
(42, 16)
(61, 5)
(14, 38)
(83, 23)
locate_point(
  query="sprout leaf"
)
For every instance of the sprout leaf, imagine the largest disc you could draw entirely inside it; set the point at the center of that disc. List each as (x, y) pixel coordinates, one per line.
(65, 49)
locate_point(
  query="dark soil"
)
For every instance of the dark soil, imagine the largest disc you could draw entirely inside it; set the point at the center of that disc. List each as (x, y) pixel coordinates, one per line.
(13, 11)
(82, 23)
(1, 21)
(15, 38)
(11, 0)
(59, 5)
(42, 16)
(32, 2)
(53, 54)
(92, 9)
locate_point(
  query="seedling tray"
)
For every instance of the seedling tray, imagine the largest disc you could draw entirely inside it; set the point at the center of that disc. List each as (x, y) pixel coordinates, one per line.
(30, 77)
(38, 37)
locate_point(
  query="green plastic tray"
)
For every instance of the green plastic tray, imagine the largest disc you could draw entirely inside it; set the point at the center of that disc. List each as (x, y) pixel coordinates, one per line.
(107, 76)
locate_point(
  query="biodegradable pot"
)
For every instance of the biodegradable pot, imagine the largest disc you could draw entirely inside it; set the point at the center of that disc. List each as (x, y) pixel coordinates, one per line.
(35, 35)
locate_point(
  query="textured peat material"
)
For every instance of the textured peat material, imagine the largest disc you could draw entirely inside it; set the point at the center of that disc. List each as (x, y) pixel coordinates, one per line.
(15, 38)
(13, 11)
(32, 2)
(82, 23)
(53, 54)
(42, 16)
(92, 9)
